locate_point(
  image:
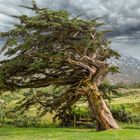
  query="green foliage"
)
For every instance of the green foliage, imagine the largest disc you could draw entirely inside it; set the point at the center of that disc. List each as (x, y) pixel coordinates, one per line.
(122, 115)
(80, 111)
(40, 46)
(26, 121)
(130, 85)
(53, 48)
(110, 91)
(113, 69)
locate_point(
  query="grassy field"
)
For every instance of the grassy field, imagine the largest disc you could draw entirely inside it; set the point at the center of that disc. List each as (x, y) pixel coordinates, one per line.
(67, 134)
(131, 100)
(128, 96)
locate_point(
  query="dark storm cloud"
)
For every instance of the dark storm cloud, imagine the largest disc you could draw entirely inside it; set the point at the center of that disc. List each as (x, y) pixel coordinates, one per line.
(123, 16)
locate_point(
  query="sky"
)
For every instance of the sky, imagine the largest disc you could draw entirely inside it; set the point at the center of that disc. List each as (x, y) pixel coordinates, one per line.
(121, 16)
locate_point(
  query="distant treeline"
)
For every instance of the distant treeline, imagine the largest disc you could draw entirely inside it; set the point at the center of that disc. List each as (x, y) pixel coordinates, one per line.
(128, 85)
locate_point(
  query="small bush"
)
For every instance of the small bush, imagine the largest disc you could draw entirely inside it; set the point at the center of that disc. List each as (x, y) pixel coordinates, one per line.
(121, 114)
(25, 121)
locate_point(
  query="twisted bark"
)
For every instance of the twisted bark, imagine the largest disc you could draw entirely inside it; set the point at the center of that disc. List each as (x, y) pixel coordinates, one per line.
(100, 110)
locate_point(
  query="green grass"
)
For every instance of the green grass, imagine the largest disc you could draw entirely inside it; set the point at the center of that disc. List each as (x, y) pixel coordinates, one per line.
(131, 100)
(128, 96)
(67, 134)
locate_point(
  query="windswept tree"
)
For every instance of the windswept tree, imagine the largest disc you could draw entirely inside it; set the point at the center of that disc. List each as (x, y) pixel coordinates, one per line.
(53, 48)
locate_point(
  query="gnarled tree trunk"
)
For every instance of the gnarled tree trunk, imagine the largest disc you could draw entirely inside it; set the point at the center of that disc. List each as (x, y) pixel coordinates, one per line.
(100, 110)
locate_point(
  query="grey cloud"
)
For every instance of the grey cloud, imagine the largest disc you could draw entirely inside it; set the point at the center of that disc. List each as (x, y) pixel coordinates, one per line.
(120, 15)
(127, 45)
(11, 7)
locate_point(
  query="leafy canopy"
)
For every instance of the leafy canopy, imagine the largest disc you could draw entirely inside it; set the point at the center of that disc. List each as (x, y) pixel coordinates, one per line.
(53, 48)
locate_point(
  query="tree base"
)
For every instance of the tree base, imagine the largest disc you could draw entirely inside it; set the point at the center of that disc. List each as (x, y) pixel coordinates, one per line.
(100, 110)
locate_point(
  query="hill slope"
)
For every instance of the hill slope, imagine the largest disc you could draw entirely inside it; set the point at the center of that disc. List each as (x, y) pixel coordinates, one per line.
(129, 68)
